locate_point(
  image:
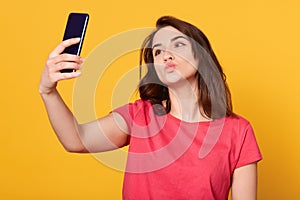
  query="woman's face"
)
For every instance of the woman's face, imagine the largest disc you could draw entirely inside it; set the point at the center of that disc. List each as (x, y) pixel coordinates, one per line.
(174, 60)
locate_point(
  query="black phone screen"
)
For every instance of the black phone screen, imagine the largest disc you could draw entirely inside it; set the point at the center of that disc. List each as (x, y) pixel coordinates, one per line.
(76, 27)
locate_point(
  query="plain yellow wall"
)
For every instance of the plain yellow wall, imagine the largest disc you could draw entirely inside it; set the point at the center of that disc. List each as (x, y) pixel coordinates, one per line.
(256, 41)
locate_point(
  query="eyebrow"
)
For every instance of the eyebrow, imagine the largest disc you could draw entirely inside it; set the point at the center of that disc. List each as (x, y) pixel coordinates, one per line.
(172, 40)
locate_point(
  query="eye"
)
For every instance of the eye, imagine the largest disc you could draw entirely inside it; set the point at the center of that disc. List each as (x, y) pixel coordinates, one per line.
(179, 44)
(156, 52)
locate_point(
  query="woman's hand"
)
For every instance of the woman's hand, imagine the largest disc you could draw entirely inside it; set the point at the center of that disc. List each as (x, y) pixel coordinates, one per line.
(56, 62)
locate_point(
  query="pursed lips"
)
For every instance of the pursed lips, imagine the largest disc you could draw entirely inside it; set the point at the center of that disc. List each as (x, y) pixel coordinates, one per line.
(170, 66)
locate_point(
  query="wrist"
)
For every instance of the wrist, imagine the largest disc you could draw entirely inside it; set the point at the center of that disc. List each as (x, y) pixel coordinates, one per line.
(45, 92)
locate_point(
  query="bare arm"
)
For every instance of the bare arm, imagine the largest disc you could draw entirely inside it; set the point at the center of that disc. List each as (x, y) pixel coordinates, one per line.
(244, 183)
(100, 135)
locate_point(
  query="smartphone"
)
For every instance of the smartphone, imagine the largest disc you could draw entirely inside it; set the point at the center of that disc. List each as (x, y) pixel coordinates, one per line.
(76, 27)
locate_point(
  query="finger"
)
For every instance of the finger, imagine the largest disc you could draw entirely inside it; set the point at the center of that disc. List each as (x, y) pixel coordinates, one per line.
(61, 47)
(66, 58)
(66, 65)
(65, 76)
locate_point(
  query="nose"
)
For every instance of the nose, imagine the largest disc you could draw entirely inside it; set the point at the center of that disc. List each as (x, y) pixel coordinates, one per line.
(168, 56)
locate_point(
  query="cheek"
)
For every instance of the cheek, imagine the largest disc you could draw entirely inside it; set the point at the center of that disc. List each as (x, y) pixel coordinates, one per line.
(158, 60)
(158, 69)
(186, 57)
(188, 72)
(190, 59)
(159, 66)
(189, 66)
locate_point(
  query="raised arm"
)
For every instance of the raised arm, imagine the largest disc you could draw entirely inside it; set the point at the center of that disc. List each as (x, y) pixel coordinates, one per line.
(103, 134)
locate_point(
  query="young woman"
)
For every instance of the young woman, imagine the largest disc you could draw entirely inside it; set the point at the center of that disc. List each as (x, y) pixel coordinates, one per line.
(184, 140)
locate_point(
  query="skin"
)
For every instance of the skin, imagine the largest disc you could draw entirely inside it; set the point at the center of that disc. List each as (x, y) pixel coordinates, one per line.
(175, 65)
(244, 183)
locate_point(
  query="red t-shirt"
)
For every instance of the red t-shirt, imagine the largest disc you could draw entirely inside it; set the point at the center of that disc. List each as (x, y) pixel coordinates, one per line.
(172, 159)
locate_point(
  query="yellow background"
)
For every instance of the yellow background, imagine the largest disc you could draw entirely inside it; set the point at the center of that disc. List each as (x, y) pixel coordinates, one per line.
(256, 41)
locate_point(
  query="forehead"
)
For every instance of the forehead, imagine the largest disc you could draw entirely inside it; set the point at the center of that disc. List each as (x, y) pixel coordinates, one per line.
(165, 34)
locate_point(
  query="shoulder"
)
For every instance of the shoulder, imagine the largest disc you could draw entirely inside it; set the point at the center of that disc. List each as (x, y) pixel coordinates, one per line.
(238, 128)
(243, 140)
(135, 110)
(138, 108)
(135, 106)
(237, 122)
(140, 104)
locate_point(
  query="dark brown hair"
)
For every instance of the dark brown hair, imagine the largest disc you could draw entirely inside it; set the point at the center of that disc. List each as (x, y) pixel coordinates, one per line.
(214, 95)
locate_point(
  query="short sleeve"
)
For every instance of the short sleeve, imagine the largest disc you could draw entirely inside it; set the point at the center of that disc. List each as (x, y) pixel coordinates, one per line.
(136, 113)
(124, 111)
(249, 150)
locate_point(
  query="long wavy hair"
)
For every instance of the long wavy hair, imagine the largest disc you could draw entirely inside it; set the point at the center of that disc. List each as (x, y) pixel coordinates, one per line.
(214, 95)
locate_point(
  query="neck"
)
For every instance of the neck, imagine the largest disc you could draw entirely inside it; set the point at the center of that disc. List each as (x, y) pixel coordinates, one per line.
(184, 103)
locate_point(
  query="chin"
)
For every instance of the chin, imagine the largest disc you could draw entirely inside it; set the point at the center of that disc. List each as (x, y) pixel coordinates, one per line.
(172, 79)
(176, 82)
